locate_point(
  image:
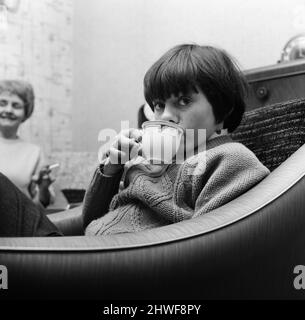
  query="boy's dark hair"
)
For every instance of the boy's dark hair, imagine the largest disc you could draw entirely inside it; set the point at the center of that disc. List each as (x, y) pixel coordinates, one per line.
(185, 67)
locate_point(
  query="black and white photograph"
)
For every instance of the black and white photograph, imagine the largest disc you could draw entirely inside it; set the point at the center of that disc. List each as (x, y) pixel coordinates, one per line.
(151, 154)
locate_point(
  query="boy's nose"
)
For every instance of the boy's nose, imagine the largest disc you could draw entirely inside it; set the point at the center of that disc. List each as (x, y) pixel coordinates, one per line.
(169, 115)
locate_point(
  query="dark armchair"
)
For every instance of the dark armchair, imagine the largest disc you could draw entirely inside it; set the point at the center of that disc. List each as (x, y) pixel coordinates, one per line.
(245, 249)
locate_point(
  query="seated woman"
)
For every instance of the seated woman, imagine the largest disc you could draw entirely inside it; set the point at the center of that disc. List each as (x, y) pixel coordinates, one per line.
(196, 87)
(22, 162)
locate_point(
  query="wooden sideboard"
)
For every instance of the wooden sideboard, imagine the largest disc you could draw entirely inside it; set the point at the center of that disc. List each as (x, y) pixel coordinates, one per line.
(276, 83)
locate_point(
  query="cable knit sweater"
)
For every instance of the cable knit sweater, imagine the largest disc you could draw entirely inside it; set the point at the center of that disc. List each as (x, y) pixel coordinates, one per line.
(204, 182)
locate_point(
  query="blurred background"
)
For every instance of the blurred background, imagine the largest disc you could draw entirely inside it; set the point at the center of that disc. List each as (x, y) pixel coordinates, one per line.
(87, 58)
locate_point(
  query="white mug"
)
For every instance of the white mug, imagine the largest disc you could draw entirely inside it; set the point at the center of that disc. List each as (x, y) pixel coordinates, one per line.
(160, 141)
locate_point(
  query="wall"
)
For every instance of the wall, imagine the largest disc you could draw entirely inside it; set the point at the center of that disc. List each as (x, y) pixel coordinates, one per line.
(37, 46)
(117, 40)
(86, 59)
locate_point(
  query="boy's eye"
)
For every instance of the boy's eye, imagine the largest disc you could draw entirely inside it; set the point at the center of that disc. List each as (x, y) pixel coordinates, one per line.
(184, 101)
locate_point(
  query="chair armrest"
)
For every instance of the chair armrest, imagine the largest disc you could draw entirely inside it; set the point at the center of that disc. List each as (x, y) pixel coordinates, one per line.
(69, 222)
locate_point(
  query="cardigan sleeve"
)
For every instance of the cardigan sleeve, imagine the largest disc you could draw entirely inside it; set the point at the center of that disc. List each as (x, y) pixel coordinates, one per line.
(221, 175)
(226, 176)
(99, 194)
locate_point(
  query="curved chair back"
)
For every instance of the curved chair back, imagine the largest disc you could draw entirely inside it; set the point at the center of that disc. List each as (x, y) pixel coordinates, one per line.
(273, 132)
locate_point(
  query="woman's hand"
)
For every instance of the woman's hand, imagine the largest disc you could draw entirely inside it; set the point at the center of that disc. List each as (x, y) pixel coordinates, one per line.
(43, 180)
(124, 148)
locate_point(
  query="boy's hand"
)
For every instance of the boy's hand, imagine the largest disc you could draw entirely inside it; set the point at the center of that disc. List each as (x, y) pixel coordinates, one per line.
(124, 148)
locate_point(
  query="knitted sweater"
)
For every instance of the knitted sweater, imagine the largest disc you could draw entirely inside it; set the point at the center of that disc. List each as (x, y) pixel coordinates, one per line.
(204, 182)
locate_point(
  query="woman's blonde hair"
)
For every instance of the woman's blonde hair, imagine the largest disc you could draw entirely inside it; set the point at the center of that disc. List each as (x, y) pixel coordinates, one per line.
(24, 90)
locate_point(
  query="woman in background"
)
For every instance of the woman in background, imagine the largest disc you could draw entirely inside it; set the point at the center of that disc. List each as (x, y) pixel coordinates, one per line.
(21, 161)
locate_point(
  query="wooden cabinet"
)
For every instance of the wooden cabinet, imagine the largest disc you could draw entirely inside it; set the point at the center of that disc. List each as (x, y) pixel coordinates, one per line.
(276, 83)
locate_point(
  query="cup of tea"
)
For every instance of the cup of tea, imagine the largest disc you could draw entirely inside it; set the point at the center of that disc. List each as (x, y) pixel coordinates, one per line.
(160, 141)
